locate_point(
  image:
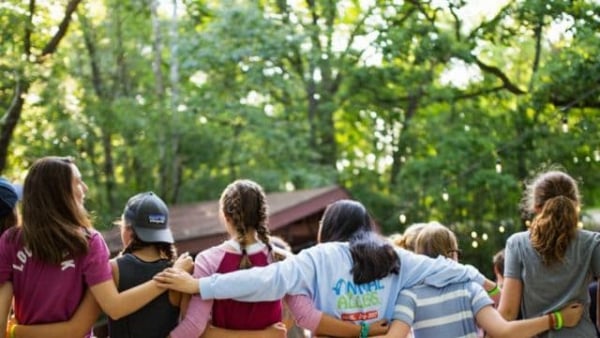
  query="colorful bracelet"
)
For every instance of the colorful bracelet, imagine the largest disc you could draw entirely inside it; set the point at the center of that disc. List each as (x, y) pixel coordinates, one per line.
(559, 320)
(494, 291)
(364, 330)
(12, 331)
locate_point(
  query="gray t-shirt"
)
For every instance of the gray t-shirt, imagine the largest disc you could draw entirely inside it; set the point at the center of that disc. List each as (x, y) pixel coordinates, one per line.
(547, 289)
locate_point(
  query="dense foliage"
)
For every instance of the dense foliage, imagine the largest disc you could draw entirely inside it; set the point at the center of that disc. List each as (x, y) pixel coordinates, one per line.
(422, 109)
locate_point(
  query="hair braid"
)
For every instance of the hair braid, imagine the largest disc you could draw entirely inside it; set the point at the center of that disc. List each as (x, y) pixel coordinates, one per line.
(232, 205)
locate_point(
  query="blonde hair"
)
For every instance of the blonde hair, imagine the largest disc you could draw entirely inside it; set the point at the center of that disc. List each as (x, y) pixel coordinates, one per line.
(554, 196)
(407, 239)
(436, 239)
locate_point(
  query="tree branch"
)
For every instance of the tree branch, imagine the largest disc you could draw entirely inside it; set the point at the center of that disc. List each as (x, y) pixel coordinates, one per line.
(62, 28)
(498, 73)
(29, 30)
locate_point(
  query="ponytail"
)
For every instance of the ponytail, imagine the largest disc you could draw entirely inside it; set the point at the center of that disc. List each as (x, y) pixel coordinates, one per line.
(553, 228)
(372, 257)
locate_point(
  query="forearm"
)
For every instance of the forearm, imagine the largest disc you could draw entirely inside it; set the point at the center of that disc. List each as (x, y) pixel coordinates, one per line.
(55, 330)
(78, 326)
(525, 328)
(6, 294)
(398, 329)
(333, 327)
(282, 278)
(117, 305)
(217, 332)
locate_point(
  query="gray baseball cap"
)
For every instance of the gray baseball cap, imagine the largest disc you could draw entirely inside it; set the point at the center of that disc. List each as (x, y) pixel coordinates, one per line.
(148, 215)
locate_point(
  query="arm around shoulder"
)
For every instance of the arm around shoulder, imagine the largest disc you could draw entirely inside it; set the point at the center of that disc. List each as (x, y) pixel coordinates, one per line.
(117, 305)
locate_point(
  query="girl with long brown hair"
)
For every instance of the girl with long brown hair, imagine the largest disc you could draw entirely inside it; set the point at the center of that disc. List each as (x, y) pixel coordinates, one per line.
(552, 262)
(55, 255)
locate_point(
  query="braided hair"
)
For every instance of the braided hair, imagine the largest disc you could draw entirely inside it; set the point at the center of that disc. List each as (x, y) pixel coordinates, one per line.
(244, 205)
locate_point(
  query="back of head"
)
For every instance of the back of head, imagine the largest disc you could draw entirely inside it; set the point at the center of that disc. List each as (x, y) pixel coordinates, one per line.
(498, 261)
(9, 196)
(554, 198)
(148, 217)
(434, 240)
(408, 237)
(52, 216)
(244, 204)
(342, 220)
(372, 257)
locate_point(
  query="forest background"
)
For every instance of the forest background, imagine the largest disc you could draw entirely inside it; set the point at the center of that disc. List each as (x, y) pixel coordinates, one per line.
(422, 110)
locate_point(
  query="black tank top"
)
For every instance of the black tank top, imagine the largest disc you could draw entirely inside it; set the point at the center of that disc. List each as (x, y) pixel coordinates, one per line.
(157, 318)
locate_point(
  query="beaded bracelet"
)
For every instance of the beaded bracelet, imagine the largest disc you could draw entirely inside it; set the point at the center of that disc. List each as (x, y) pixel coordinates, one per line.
(364, 330)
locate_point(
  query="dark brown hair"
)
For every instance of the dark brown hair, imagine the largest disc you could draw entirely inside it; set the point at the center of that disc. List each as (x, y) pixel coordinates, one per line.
(372, 257)
(9, 220)
(498, 262)
(167, 249)
(54, 223)
(244, 205)
(554, 197)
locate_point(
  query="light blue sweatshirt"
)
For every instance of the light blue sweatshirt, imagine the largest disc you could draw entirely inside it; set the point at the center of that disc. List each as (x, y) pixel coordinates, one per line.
(323, 273)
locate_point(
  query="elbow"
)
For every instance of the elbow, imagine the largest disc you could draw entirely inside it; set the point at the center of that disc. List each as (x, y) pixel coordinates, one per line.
(115, 314)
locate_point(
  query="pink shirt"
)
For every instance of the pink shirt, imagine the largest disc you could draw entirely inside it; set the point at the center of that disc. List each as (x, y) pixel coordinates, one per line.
(46, 293)
(199, 311)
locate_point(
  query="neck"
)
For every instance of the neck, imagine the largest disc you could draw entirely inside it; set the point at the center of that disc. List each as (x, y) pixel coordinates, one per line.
(250, 237)
(149, 253)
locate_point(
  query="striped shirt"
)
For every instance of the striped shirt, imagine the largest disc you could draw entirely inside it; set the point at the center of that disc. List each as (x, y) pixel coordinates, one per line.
(447, 312)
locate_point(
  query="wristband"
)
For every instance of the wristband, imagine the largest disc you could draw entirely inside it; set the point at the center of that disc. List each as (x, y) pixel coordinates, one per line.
(559, 320)
(364, 330)
(12, 331)
(494, 291)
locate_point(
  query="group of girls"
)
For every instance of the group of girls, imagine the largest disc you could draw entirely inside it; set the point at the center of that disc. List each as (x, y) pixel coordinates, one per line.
(56, 267)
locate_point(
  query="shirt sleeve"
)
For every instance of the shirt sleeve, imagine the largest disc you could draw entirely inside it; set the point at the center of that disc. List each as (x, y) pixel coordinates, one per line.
(404, 310)
(479, 299)
(512, 262)
(199, 311)
(294, 275)
(438, 272)
(596, 255)
(304, 311)
(96, 264)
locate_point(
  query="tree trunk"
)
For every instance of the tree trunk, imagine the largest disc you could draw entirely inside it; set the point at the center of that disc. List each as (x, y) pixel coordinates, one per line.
(106, 112)
(13, 114)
